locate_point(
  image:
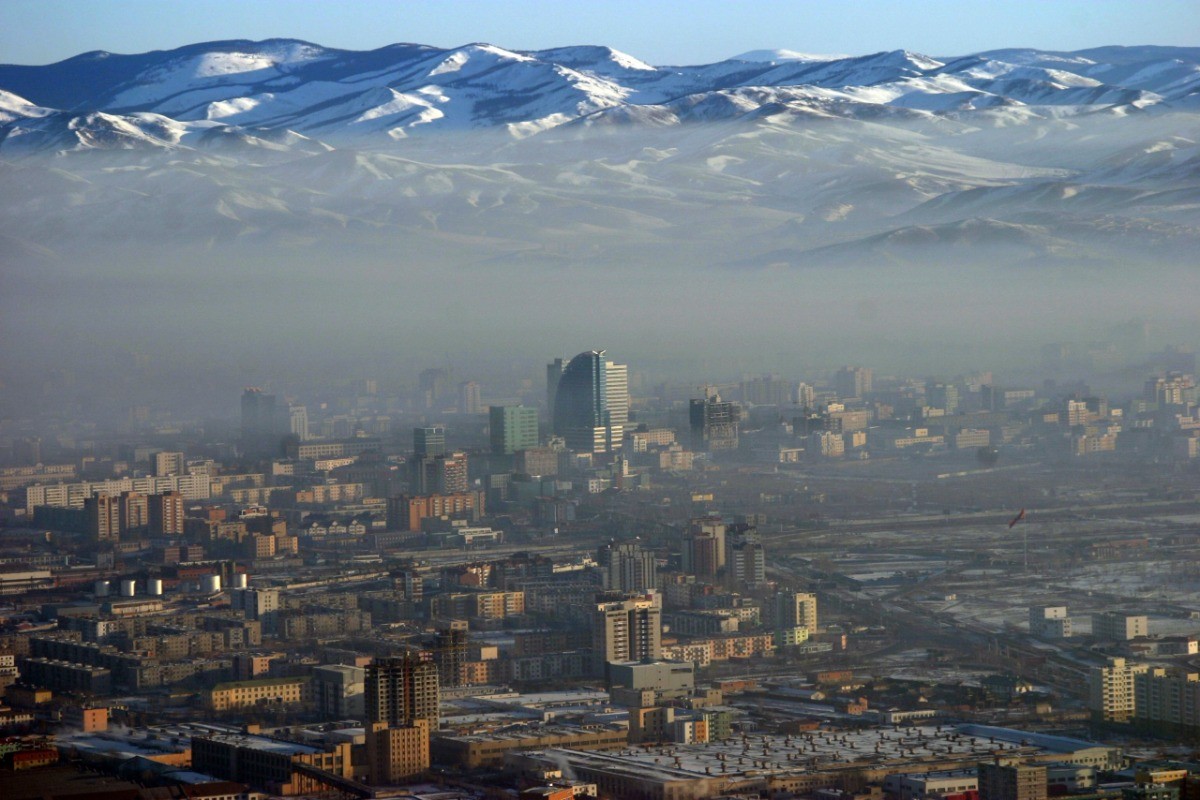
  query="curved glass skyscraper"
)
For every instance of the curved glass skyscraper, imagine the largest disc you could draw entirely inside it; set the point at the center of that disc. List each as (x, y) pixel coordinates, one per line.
(591, 403)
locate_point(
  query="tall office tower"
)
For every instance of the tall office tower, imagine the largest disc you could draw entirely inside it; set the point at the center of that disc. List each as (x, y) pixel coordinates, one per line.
(429, 442)
(262, 430)
(617, 391)
(746, 559)
(168, 463)
(627, 630)
(626, 567)
(585, 415)
(103, 517)
(852, 381)
(470, 398)
(402, 689)
(796, 610)
(402, 707)
(554, 371)
(714, 423)
(704, 547)
(165, 514)
(513, 428)
(432, 387)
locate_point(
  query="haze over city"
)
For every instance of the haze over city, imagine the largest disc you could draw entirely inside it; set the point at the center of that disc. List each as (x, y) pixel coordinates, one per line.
(679, 400)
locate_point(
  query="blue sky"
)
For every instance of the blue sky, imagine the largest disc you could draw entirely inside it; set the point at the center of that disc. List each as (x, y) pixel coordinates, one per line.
(658, 31)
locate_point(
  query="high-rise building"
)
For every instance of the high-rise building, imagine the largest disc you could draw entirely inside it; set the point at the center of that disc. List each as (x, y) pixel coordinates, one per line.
(433, 386)
(168, 463)
(627, 630)
(942, 395)
(298, 422)
(134, 512)
(714, 423)
(402, 689)
(258, 604)
(470, 398)
(1112, 691)
(767, 390)
(165, 514)
(339, 690)
(852, 381)
(450, 652)
(627, 567)
(103, 514)
(512, 428)
(263, 426)
(429, 442)
(591, 403)
(796, 610)
(402, 699)
(443, 474)
(746, 559)
(554, 371)
(704, 548)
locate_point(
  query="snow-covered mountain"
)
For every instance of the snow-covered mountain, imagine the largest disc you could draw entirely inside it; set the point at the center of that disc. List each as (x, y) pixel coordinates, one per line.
(770, 157)
(405, 89)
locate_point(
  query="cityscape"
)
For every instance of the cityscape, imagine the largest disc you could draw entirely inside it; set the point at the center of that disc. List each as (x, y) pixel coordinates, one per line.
(467, 400)
(584, 581)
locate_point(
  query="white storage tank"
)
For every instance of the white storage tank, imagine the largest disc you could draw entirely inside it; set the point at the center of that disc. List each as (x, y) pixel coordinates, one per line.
(101, 589)
(128, 588)
(240, 581)
(210, 584)
(154, 587)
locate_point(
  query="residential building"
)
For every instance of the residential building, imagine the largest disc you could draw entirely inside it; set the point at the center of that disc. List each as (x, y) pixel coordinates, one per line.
(1118, 626)
(627, 630)
(627, 567)
(1112, 693)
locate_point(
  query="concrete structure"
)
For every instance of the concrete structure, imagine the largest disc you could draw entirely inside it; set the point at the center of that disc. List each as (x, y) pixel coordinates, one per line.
(591, 403)
(273, 765)
(512, 428)
(918, 786)
(1111, 690)
(626, 567)
(270, 691)
(1119, 626)
(667, 679)
(402, 689)
(627, 630)
(339, 691)
(714, 423)
(473, 751)
(1167, 699)
(999, 781)
(396, 753)
(1049, 622)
